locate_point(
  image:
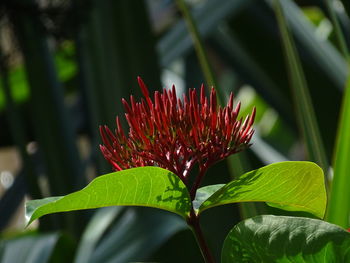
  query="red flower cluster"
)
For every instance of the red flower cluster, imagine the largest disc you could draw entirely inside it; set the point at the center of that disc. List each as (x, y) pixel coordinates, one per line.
(176, 134)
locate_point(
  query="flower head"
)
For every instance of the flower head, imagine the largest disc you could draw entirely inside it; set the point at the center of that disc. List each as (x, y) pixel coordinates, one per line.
(176, 134)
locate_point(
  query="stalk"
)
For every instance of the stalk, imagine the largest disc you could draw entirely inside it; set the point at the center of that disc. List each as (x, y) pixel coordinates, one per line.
(193, 222)
(197, 182)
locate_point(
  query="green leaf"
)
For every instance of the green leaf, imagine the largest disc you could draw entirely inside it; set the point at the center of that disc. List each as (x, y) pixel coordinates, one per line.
(97, 226)
(29, 249)
(204, 193)
(143, 186)
(136, 235)
(339, 206)
(292, 186)
(286, 239)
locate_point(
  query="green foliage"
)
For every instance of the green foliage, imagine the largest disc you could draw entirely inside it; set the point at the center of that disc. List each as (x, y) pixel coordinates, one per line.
(134, 236)
(267, 238)
(204, 193)
(100, 52)
(20, 92)
(144, 186)
(97, 226)
(31, 248)
(292, 186)
(66, 70)
(304, 106)
(339, 205)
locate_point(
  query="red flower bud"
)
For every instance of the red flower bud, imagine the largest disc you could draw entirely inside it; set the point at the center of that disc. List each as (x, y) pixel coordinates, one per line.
(175, 134)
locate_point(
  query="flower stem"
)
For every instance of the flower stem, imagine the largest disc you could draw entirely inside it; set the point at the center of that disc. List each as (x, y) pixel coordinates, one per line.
(193, 222)
(198, 180)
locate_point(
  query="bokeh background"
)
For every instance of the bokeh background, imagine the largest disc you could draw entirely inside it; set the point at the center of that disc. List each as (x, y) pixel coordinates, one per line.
(66, 64)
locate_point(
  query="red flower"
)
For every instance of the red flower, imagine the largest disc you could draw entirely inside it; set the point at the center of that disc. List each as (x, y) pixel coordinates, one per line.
(176, 134)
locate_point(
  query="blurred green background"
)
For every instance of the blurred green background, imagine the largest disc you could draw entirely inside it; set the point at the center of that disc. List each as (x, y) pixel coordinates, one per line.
(66, 64)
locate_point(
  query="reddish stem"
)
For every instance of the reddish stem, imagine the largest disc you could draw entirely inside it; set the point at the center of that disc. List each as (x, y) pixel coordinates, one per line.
(193, 222)
(202, 170)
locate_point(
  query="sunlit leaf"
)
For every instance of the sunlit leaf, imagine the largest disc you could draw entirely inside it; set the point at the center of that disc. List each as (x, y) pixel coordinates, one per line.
(292, 186)
(143, 186)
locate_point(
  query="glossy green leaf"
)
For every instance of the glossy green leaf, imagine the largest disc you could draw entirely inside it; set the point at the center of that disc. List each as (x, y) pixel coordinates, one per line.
(142, 186)
(339, 205)
(292, 186)
(268, 238)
